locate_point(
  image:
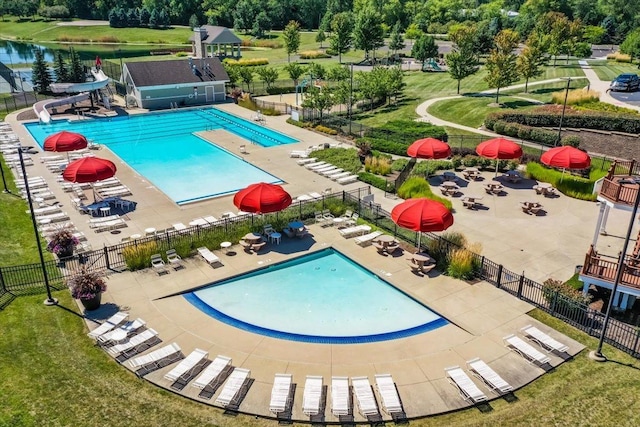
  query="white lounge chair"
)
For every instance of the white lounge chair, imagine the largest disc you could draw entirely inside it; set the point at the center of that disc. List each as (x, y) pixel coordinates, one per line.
(115, 191)
(306, 161)
(388, 393)
(481, 370)
(228, 215)
(543, 339)
(318, 167)
(298, 153)
(133, 342)
(200, 222)
(280, 393)
(357, 230)
(100, 219)
(340, 175)
(128, 327)
(347, 179)
(364, 395)
(187, 364)
(340, 396)
(232, 386)
(108, 225)
(525, 350)
(53, 217)
(46, 210)
(327, 168)
(210, 219)
(330, 172)
(367, 238)
(109, 324)
(209, 256)
(466, 387)
(171, 351)
(311, 166)
(312, 395)
(212, 372)
(179, 227)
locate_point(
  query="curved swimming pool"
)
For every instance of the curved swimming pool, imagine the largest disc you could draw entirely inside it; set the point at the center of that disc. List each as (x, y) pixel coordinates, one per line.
(323, 297)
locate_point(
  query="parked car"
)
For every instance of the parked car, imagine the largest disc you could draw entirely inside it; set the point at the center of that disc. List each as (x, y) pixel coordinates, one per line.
(626, 82)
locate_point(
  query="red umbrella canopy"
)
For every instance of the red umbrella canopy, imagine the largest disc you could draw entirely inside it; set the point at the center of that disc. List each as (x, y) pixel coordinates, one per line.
(422, 215)
(65, 141)
(566, 157)
(89, 169)
(262, 198)
(429, 148)
(499, 148)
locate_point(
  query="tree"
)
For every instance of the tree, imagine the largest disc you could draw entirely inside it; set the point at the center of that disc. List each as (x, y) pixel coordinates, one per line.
(424, 48)
(501, 63)
(556, 26)
(317, 71)
(133, 18)
(531, 59)
(295, 71)
(261, 25)
(62, 75)
(268, 75)
(368, 34)
(193, 21)
(318, 99)
(153, 18)
(244, 15)
(291, 36)
(321, 37)
(233, 71)
(338, 73)
(246, 75)
(41, 77)
(462, 61)
(341, 37)
(631, 45)
(396, 41)
(144, 16)
(412, 32)
(76, 71)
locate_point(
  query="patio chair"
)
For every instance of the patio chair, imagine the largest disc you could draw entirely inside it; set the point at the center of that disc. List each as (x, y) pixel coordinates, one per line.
(312, 395)
(158, 264)
(171, 352)
(340, 396)
(174, 259)
(209, 256)
(466, 387)
(347, 179)
(267, 230)
(349, 222)
(280, 393)
(232, 386)
(543, 340)
(133, 342)
(212, 372)
(481, 370)
(367, 238)
(186, 365)
(388, 393)
(364, 395)
(128, 328)
(109, 324)
(525, 350)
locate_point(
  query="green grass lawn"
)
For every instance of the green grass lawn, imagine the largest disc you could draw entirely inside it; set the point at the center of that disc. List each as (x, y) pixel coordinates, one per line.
(52, 374)
(609, 70)
(471, 110)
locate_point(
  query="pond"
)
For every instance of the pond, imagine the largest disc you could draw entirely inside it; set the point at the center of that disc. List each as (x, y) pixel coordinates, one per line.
(14, 53)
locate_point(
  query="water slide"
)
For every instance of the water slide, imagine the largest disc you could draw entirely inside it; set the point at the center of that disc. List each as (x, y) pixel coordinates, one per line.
(40, 108)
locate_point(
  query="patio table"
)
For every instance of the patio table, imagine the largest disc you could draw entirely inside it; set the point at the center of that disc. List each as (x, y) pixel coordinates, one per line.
(252, 237)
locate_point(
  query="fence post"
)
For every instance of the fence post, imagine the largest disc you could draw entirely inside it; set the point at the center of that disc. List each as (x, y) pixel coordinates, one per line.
(520, 285)
(553, 302)
(106, 257)
(634, 353)
(482, 275)
(499, 278)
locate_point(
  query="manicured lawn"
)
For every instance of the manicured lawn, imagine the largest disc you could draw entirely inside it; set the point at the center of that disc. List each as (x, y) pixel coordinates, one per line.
(542, 92)
(471, 111)
(609, 70)
(52, 374)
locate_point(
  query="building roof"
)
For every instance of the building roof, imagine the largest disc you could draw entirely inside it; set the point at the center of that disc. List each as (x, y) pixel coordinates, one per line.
(217, 35)
(174, 72)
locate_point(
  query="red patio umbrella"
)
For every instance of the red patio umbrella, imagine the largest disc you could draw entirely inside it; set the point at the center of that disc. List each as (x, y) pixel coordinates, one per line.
(566, 157)
(422, 215)
(499, 149)
(89, 169)
(429, 148)
(262, 198)
(65, 141)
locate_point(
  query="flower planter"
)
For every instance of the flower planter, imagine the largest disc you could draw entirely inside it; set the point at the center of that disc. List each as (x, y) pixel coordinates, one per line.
(92, 303)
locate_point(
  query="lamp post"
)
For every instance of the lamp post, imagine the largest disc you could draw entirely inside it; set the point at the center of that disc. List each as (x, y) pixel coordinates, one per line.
(350, 95)
(564, 107)
(50, 299)
(597, 354)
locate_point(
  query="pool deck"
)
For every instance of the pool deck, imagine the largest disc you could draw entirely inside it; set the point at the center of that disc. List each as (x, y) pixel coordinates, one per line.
(544, 246)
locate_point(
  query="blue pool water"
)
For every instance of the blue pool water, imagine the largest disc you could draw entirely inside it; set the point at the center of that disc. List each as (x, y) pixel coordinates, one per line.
(322, 297)
(162, 147)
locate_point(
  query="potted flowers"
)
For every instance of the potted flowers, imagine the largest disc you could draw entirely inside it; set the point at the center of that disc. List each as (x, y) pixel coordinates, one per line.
(87, 286)
(62, 243)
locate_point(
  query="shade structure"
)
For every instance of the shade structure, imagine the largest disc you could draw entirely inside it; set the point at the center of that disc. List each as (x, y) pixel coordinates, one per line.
(422, 215)
(566, 157)
(262, 198)
(429, 148)
(499, 149)
(89, 169)
(65, 141)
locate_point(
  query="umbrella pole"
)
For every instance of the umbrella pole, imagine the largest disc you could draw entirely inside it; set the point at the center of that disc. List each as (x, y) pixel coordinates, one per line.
(562, 176)
(497, 160)
(419, 236)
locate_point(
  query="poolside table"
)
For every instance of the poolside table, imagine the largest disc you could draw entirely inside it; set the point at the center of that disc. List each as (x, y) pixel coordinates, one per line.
(252, 237)
(385, 239)
(421, 259)
(296, 225)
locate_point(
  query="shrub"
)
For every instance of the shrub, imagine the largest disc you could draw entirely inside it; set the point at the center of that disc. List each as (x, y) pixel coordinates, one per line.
(303, 125)
(399, 164)
(313, 54)
(428, 168)
(248, 62)
(138, 256)
(551, 287)
(250, 104)
(604, 106)
(463, 262)
(376, 181)
(570, 185)
(377, 165)
(331, 52)
(416, 186)
(440, 249)
(575, 96)
(326, 130)
(498, 126)
(571, 140)
(619, 57)
(344, 158)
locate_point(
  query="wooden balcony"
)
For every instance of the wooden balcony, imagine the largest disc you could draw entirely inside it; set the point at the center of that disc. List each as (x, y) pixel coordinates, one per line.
(615, 192)
(605, 267)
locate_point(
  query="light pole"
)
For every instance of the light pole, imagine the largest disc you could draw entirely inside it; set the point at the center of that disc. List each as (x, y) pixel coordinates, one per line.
(50, 299)
(350, 95)
(564, 107)
(597, 354)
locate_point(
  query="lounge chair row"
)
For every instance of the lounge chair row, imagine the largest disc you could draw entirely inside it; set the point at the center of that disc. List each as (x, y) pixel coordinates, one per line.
(340, 395)
(328, 170)
(542, 339)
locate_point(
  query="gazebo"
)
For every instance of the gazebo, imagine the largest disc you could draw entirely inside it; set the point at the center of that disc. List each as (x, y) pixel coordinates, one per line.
(210, 41)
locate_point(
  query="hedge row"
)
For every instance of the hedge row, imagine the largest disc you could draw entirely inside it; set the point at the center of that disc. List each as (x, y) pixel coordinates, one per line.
(249, 62)
(530, 133)
(628, 123)
(395, 136)
(377, 181)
